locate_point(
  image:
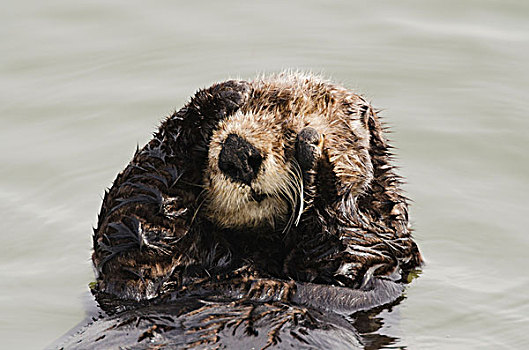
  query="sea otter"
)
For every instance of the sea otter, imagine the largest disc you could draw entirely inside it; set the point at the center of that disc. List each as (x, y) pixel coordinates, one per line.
(278, 190)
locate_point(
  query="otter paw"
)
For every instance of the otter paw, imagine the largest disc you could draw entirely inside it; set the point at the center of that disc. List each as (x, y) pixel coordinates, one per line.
(234, 93)
(309, 146)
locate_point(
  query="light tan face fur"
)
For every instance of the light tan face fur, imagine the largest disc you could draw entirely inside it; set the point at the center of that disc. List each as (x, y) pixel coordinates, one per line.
(231, 205)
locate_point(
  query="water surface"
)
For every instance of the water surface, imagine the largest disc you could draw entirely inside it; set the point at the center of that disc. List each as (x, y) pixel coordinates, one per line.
(82, 83)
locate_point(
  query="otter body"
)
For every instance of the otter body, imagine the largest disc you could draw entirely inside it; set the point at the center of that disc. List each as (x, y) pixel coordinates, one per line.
(263, 191)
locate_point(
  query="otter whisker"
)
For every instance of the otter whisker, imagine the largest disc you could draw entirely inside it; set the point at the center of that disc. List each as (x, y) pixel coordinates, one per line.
(293, 192)
(193, 184)
(291, 195)
(200, 205)
(285, 193)
(299, 177)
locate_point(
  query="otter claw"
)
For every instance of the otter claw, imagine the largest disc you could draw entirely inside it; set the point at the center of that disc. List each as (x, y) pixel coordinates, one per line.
(309, 146)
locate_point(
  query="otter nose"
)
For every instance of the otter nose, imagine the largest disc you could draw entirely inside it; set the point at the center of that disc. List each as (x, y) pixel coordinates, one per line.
(239, 159)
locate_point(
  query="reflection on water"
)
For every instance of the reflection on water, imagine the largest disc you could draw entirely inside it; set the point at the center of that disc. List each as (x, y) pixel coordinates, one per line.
(236, 324)
(373, 327)
(83, 83)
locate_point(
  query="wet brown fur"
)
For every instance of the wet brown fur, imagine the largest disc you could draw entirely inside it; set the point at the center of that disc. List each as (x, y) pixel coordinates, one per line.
(158, 231)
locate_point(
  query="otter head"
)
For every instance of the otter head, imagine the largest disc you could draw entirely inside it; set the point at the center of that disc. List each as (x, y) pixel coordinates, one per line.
(261, 162)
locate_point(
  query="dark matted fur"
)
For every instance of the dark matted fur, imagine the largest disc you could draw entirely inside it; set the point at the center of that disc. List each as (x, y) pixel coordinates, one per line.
(180, 268)
(154, 236)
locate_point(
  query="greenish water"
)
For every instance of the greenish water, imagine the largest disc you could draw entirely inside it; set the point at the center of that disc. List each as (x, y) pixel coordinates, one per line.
(83, 82)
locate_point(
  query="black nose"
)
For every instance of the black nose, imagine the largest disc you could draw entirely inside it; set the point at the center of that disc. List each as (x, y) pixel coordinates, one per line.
(239, 159)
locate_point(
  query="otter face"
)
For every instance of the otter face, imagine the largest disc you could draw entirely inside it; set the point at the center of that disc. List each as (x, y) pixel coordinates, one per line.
(251, 180)
(257, 164)
(259, 160)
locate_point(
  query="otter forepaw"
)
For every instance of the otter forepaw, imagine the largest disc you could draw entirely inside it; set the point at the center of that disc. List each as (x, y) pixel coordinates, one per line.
(309, 146)
(234, 93)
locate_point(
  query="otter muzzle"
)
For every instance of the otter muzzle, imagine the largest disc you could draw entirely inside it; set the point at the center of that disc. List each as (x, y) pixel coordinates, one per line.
(239, 160)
